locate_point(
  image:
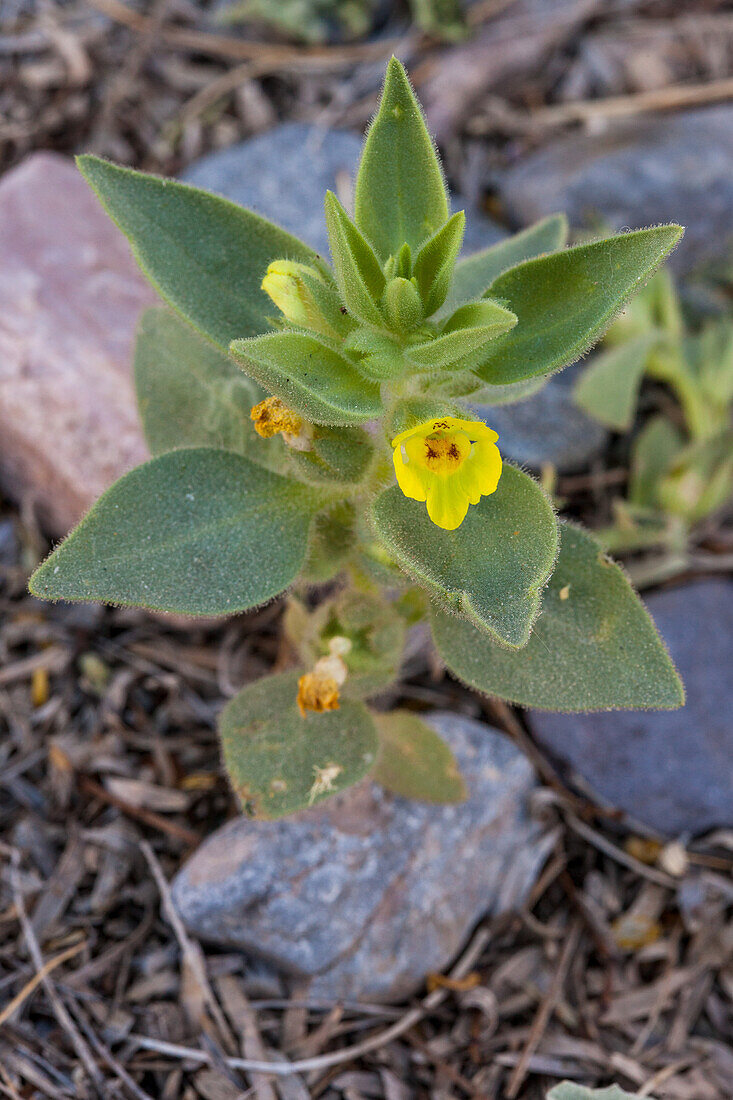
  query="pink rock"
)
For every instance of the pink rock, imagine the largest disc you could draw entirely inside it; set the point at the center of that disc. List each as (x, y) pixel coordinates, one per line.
(70, 299)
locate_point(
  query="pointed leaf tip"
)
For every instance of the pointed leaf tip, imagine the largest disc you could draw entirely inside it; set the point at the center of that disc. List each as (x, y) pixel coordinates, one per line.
(593, 647)
(204, 255)
(400, 191)
(566, 300)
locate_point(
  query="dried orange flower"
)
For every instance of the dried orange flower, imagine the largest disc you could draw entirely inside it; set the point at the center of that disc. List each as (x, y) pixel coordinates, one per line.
(272, 416)
(317, 691)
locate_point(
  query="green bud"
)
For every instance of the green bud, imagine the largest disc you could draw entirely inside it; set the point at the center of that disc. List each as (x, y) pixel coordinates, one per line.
(402, 304)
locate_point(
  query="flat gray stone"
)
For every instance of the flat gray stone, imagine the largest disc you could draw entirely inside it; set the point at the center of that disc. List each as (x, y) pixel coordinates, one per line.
(547, 427)
(671, 770)
(368, 892)
(283, 175)
(657, 168)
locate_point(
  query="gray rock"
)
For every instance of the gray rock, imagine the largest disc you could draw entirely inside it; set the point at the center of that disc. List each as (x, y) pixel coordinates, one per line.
(9, 544)
(368, 892)
(673, 770)
(658, 168)
(284, 173)
(547, 427)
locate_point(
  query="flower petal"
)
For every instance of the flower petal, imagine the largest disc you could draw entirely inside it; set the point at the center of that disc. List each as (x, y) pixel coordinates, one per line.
(447, 504)
(483, 469)
(408, 476)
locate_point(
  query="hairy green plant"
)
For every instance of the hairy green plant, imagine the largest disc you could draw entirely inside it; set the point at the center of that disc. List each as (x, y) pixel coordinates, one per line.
(318, 20)
(681, 465)
(307, 425)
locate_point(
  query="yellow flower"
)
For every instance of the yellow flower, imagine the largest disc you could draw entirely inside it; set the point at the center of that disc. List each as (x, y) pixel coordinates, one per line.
(450, 463)
(285, 284)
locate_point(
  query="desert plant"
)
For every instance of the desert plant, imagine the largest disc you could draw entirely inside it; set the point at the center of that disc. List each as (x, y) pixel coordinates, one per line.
(318, 20)
(331, 442)
(681, 465)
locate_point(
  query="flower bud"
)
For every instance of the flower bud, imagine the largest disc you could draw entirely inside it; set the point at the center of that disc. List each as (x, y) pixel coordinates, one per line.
(286, 282)
(403, 304)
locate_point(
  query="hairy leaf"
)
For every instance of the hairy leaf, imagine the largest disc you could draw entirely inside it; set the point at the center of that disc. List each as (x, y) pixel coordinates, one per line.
(337, 454)
(468, 330)
(190, 395)
(655, 448)
(594, 646)
(275, 757)
(205, 255)
(475, 274)
(434, 263)
(198, 532)
(608, 388)
(358, 273)
(400, 191)
(310, 376)
(565, 301)
(493, 567)
(414, 761)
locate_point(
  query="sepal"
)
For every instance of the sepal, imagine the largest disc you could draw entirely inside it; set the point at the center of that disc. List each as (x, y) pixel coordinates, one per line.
(358, 273)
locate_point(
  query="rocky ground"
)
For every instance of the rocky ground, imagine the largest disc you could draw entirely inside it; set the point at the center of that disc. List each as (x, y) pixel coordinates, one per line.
(573, 918)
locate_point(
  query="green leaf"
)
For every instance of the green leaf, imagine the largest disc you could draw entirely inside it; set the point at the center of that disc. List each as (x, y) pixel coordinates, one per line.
(358, 273)
(594, 646)
(206, 256)
(510, 394)
(474, 275)
(310, 376)
(568, 1090)
(400, 191)
(190, 395)
(608, 388)
(565, 301)
(435, 261)
(468, 330)
(333, 540)
(273, 755)
(699, 480)
(414, 762)
(198, 532)
(493, 567)
(337, 454)
(655, 448)
(380, 355)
